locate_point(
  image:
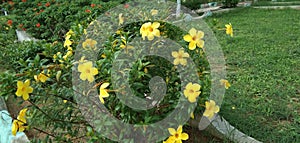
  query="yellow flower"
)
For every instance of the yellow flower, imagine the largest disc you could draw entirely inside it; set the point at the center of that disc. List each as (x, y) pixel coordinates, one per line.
(55, 56)
(150, 30)
(24, 89)
(69, 33)
(84, 31)
(68, 43)
(195, 39)
(87, 71)
(192, 91)
(225, 83)
(229, 30)
(103, 92)
(89, 43)
(154, 12)
(19, 125)
(124, 44)
(192, 115)
(22, 115)
(180, 57)
(82, 60)
(41, 77)
(68, 54)
(118, 32)
(176, 135)
(121, 19)
(210, 109)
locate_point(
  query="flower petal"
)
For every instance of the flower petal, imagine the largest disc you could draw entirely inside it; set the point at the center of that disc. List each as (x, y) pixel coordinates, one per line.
(104, 85)
(192, 45)
(19, 93)
(187, 38)
(27, 82)
(25, 96)
(179, 129)
(101, 99)
(193, 32)
(19, 84)
(184, 136)
(175, 54)
(200, 43)
(155, 25)
(103, 93)
(94, 71)
(200, 34)
(172, 131)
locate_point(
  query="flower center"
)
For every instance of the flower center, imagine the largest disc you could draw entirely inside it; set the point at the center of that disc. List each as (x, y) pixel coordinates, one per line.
(151, 29)
(194, 38)
(176, 135)
(23, 88)
(88, 71)
(191, 91)
(180, 56)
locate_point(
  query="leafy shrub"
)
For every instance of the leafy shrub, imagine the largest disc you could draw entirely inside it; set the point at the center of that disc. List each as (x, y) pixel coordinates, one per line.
(53, 110)
(230, 3)
(50, 20)
(192, 4)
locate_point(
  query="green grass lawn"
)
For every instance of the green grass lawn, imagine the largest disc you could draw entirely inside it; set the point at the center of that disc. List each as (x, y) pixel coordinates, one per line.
(263, 61)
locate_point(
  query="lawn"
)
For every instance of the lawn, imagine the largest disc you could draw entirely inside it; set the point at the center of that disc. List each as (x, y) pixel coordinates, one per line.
(263, 66)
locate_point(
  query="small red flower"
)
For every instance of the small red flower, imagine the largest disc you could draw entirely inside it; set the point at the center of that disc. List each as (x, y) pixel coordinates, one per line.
(9, 22)
(47, 4)
(126, 5)
(23, 0)
(38, 25)
(87, 10)
(24, 29)
(93, 5)
(11, 3)
(39, 4)
(41, 10)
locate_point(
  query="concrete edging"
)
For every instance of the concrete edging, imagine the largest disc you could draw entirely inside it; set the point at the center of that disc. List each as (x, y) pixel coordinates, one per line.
(222, 129)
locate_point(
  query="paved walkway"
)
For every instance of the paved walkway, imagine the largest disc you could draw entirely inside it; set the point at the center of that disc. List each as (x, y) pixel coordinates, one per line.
(278, 7)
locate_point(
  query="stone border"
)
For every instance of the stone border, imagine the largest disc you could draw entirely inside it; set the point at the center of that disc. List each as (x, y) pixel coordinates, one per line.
(2, 104)
(279, 7)
(222, 129)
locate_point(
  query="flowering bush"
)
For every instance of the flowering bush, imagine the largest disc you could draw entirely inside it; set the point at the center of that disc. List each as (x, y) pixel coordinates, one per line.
(40, 73)
(51, 19)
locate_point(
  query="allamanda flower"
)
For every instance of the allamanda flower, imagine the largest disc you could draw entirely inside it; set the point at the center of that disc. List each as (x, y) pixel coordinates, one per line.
(150, 30)
(194, 38)
(24, 89)
(103, 92)
(87, 71)
(192, 91)
(210, 109)
(89, 43)
(176, 135)
(41, 77)
(180, 57)
(124, 44)
(68, 42)
(19, 125)
(225, 83)
(229, 29)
